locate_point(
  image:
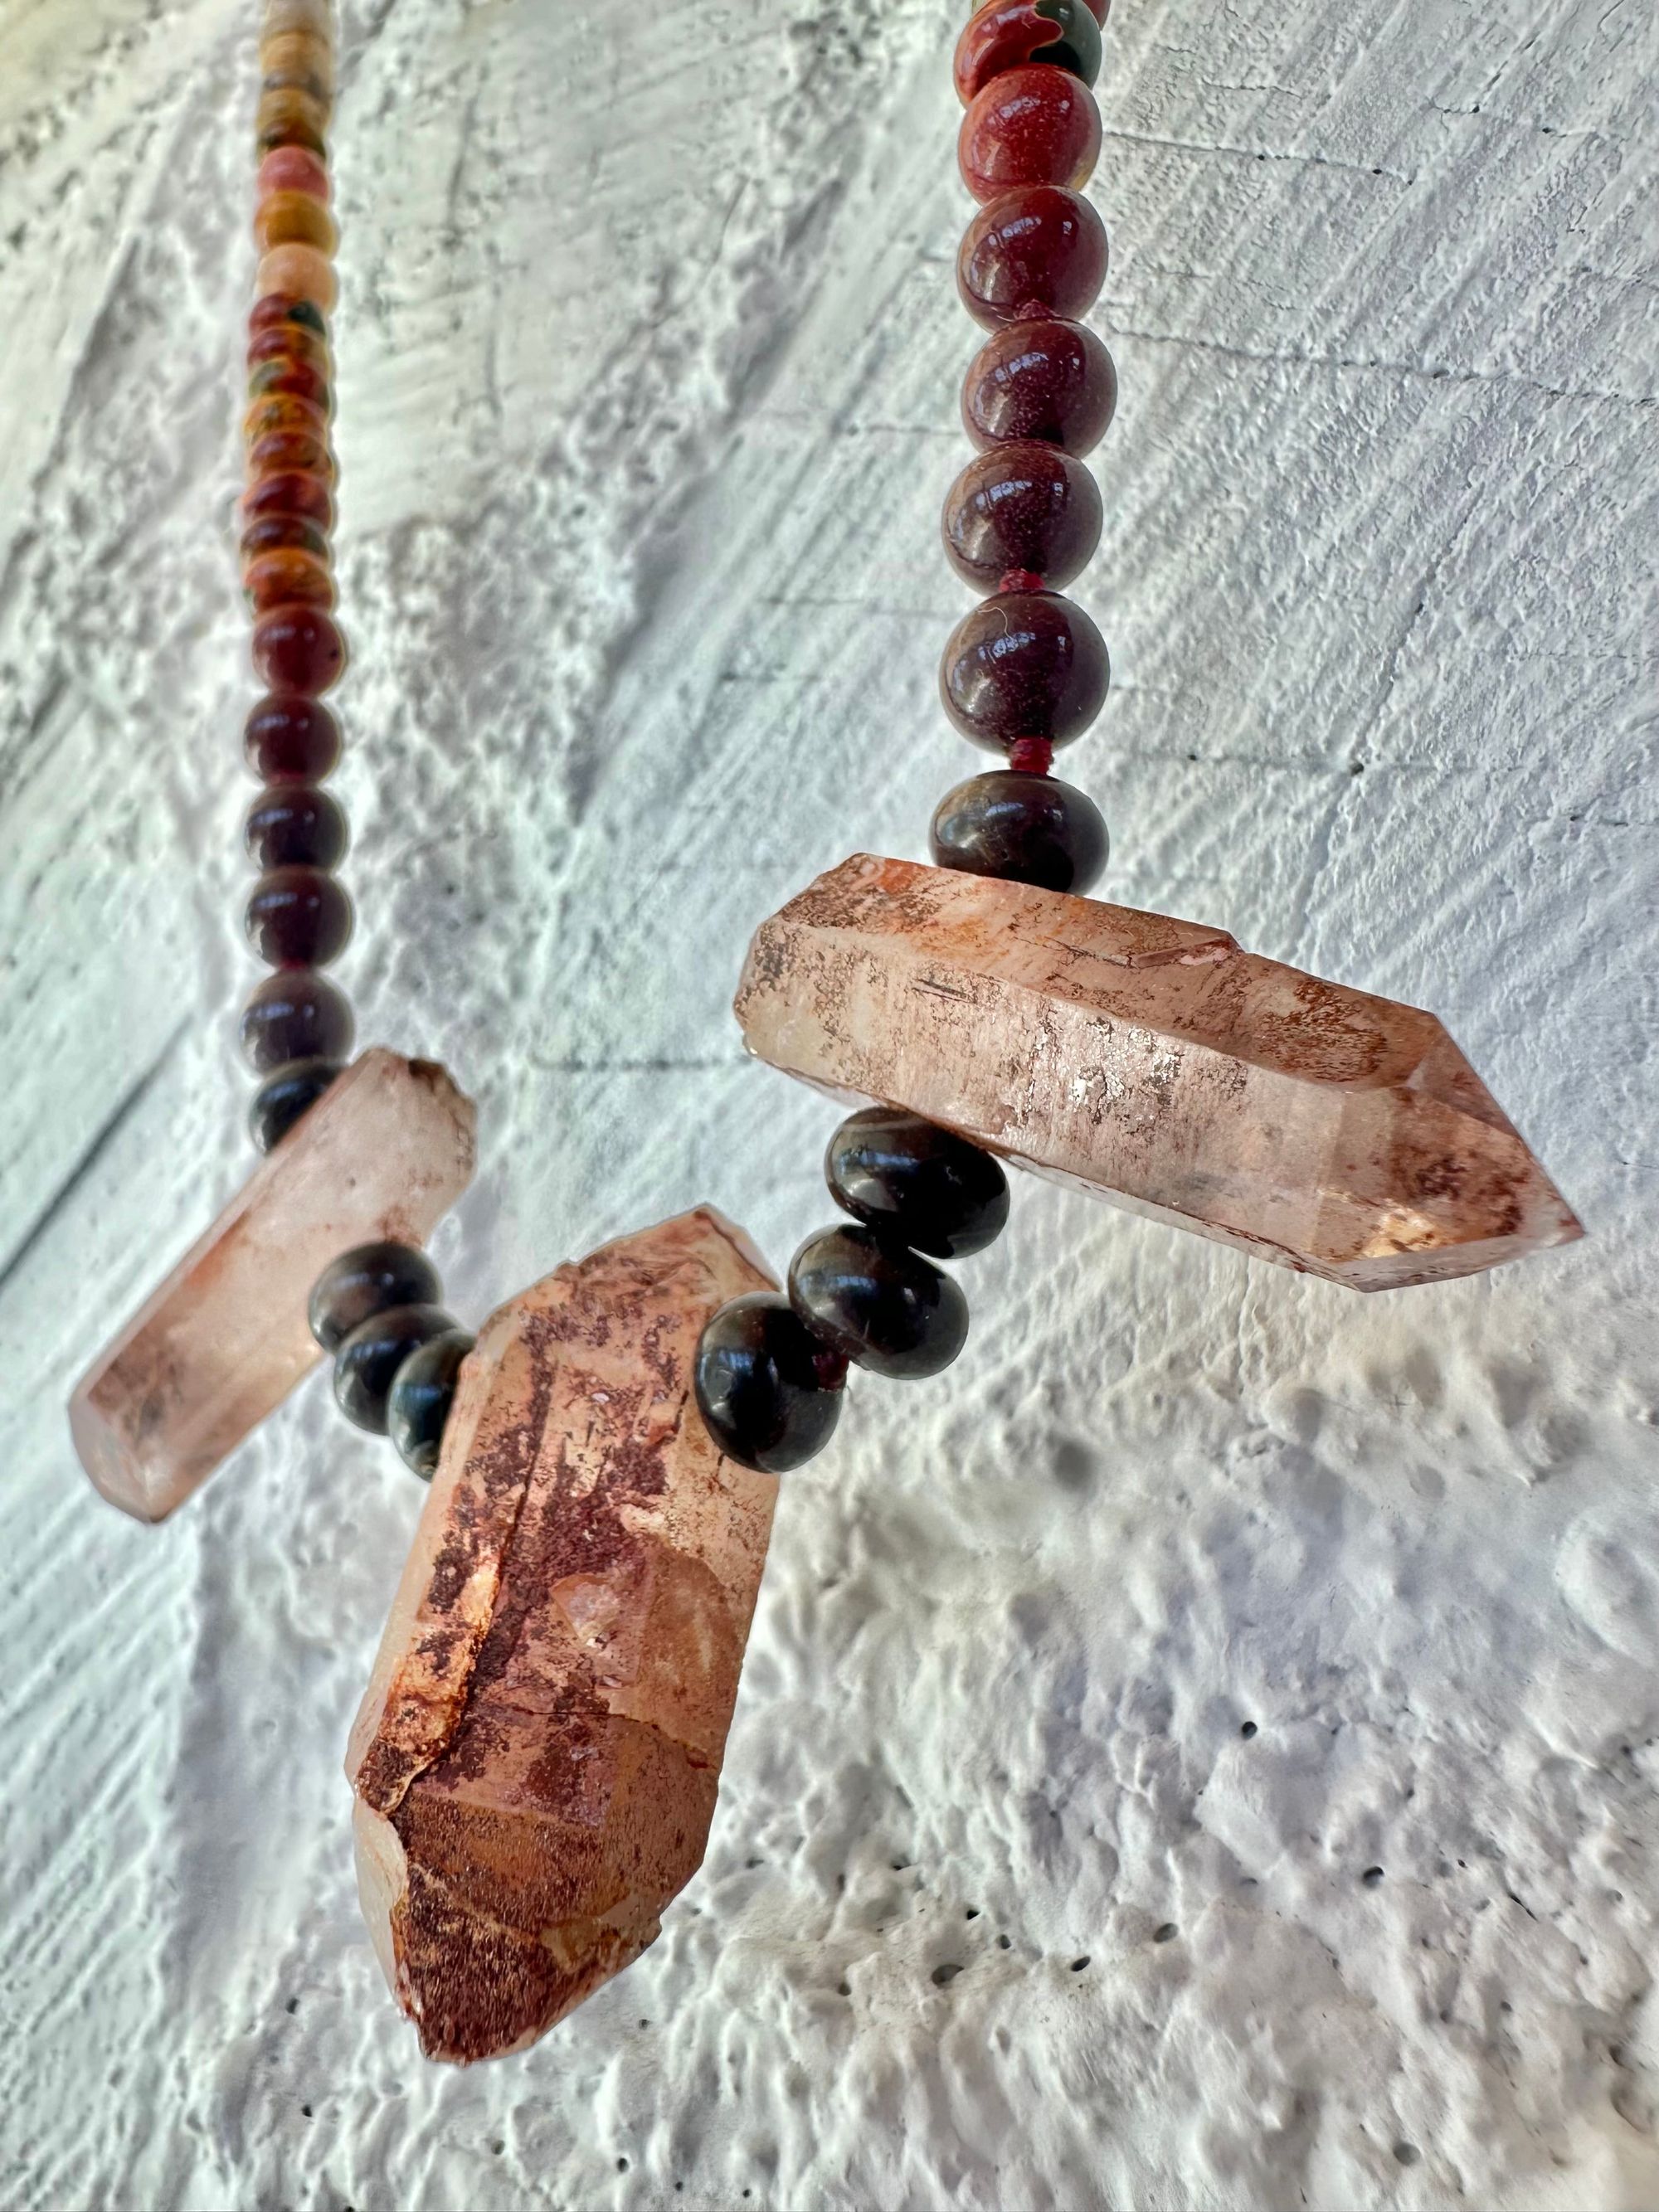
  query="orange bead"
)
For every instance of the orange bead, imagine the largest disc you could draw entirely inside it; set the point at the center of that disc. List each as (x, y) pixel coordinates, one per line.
(289, 576)
(301, 270)
(281, 410)
(298, 58)
(293, 219)
(291, 169)
(290, 116)
(280, 451)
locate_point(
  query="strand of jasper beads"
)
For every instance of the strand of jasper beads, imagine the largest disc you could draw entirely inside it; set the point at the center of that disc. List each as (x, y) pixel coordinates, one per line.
(1024, 673)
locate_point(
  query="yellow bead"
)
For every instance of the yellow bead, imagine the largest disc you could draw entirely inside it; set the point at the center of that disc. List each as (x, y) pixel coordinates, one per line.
(290, 116)
(300, 272)
(293, 219)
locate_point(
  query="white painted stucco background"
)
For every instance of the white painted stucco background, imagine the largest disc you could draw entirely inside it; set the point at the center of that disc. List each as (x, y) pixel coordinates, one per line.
(648, 352)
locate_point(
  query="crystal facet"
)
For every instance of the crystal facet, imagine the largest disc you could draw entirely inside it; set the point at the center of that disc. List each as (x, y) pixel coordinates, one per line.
(536, 1757)
(1153, 1063)
(386, 1152)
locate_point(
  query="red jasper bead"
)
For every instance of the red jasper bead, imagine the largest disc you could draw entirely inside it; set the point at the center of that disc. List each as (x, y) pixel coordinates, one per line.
(277, 309)
(298, 918)
(1006, 35)
(292, 491)
(269, 533)
(1024, 665)
(283, 578)
(298, 648)
(295, 825)
(291, 740)
(295, 1015)
(1029, 126)
(280, 451)
(1044, 379)
(288, 342)
(1039, 250)
(291, 169)
(1027, 506)
(286, 377)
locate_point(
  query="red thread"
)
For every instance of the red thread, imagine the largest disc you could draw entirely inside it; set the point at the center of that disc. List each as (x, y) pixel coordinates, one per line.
(1019, 579)
(1035, 755)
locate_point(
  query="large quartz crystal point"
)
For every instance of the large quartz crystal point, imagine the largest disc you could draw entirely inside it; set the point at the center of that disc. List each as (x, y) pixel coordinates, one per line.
(386, 1152)
(536, 1757)
(1155, 1064)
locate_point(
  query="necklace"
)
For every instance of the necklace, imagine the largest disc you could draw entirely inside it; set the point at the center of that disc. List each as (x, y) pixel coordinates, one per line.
(535, 1761)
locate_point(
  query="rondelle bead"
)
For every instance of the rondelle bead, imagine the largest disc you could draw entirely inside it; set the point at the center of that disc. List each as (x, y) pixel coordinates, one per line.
(281, 310)
(926, 1186)
(284, 1096)
(291, 492)
(301, 58)
(1005, 34)
(1029, 126)
(316, 17)
(284, 376)
(369, 1280)
(1045, 379)
(291, 169)
(298, 648)
(301, 270)
(299, 917)
(293, 826)
(1024, 664)
(295, 1014)
(287, 577)
(1024, 506)
(277, 533)
(1024, 829)
(366, 1365)
(877, 1303)
(1040, 250)
(290, 117)
(423, 1391)
(287, 739)
(280, 453)
(288, 342)
(282, 411)
(293, 219)
(770, 1391)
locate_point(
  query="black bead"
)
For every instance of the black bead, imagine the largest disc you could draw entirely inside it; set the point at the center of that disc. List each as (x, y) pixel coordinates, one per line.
(295, 825)
(370, 1278)
(770, 1391)
(1078, 47)
(1025, 829)
(882, 1305)
(285, 1096)
(921, 1184)
(422, 1390)
(366, 1365)
(295, 1014)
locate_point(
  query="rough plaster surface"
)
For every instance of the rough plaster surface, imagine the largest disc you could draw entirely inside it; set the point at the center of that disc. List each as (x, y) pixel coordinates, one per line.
(1199, 1756)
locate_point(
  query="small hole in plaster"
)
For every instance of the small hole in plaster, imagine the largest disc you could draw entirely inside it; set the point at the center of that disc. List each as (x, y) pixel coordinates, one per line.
(1166, 1934)
(1371, 1877)
(948, 1973)
(1077, 1965)
(1407, 2153)
(1005, 1942)
(1248, 1730)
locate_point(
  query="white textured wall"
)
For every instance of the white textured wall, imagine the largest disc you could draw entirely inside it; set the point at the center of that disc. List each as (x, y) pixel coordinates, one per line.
(648, 352)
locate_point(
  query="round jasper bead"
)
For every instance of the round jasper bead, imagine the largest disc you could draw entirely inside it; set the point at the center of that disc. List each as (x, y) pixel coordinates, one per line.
(366, 1365)
(288, 740)
(316, 17)
(924, 1185)
(1044, 380)
(297, 57)
(285, 578)
(283, 533)
(295, 1014)
(282, 310)
(293, 219)
(770, 1392)
(298, 648)
(291, 169)
(290, 116)
(299, 917)
(1029, 126)
(284, 411)
(369, 1280)
(288, 342)
(291, 491)
(301, 269)
(1022, 829)
(875, 1302)
(1040, 250)
(286, 377)
(280, 1100)
(1005, 33)
(295, 825)
(423, 1391)
(282, 453)
(1022, 506)
(1024, 665)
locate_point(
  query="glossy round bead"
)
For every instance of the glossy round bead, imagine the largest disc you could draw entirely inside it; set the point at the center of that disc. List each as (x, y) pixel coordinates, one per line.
(291, 740)
(288, 342)
(295, 1014)
(1024, 829)
(877, 1302)
(285, 376)
(1029, 126)
(281, 310)
(1024, 664)
(284, 411)
(290, 116)
(298, 918)
(280, 453)
(293, 826)
(1005, 34)
(369, 1280)
(924, 1185)
(287, 576)
(301, 58)
(293, 219)
(291, 492)
(285, 1096)
(302, 269)
(298, 648)
(423, 1391)
(1039, 250)
(291, 169)
(1023, 505)
(366, 1365)
(1044, 380)
(770, 1393)
(278, 534)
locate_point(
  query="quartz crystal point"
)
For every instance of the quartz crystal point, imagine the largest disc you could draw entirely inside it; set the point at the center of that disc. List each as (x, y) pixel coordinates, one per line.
(1151, 1063)
(536, 1757)
(386, 1152)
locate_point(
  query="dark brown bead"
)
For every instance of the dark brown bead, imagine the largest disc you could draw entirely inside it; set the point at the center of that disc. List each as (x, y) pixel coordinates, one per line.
(874, 1301)
(366, 1365)
(285, 1096)
(298, 918)
(292, 740)
(1029, 126)
(279, 452)
(926, 1186)
(1022, 829)
(295, 1014)
(295, 825)
(1024, 665)
(1040, 250)
(287, 375)
(1026, 506)
(1045, 379)
(278, 534)
(770, 1391)
(369, 1280)
(1007, 34)
(291, 491)
(298, 648)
